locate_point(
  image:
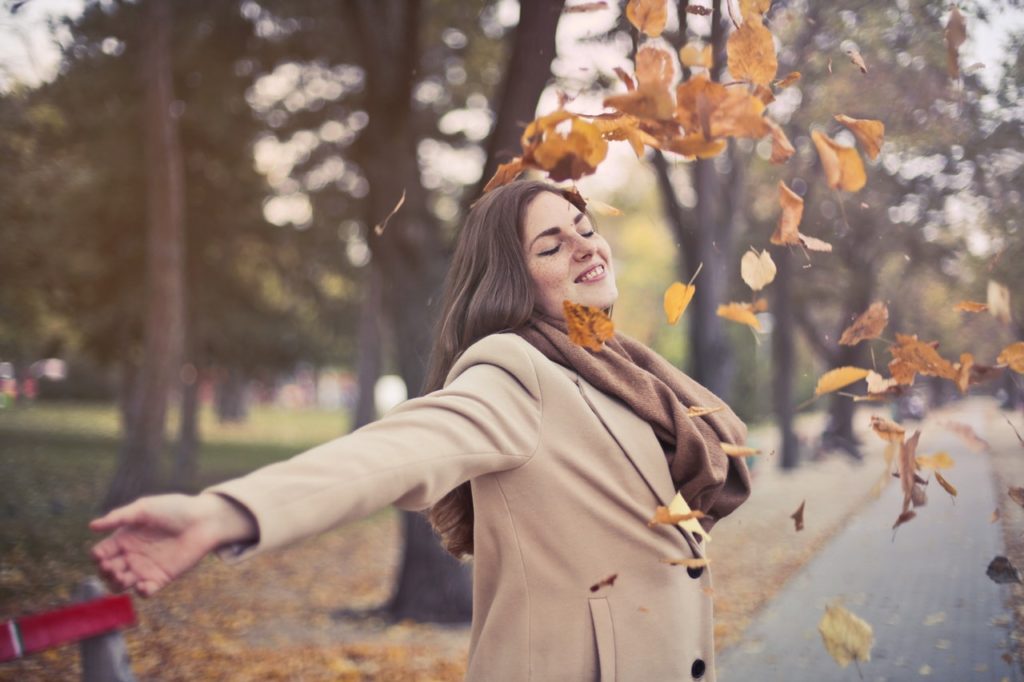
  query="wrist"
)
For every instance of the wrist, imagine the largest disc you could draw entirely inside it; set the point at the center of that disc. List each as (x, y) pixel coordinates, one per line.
(228, 521)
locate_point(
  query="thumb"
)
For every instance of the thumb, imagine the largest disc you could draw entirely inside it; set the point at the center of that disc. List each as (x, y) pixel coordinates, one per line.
(114, 519)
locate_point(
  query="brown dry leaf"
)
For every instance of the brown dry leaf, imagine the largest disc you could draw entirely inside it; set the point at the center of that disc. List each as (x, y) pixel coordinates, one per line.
(956, 35)
(696, 99)
(963, 371)
(663, 516)
(787, 231)
(506, 173)
(1016, 494)
(677, 297)
(739, 450)
(696, 146)
(757, 269)
(740, 114)
(739, 312)
(625, 78)
(695, 411)
(751, 52)
(606, 582)
(970, 307)
(1013, 357)
(699, 10)
(999, 301)
(903, 518)
(648, 16)
(940, 460)
(782, 148)
(911, 356)
(588, 327)
(585, 7)
(847, 638)
(798, 517)
(842, 165)
(968, 435)
(564, 155)
(868, 325)
(688, 563)
(838, 378)
(946, 485)
(858, 60)
(887, 430)
(907, 467)
(791, 78)
(868, 131)
(655, 71)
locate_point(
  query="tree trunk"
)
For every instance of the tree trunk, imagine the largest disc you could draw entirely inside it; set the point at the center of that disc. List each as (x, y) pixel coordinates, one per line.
(230, 398)
(782, 357)
(186, 455)
(138, 461)
(368, 369)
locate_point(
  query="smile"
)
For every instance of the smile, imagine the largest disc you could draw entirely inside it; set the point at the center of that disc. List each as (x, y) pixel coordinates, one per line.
(596, 272)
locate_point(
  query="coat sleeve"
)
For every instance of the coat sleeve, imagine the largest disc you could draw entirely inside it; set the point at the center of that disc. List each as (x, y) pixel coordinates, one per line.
(486, 419)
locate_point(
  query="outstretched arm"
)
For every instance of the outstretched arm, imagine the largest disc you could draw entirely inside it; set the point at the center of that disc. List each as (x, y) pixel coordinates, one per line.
(156, 539)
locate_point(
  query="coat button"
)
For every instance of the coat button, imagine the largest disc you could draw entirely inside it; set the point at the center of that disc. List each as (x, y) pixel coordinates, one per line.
(697, 669)
(695, 572)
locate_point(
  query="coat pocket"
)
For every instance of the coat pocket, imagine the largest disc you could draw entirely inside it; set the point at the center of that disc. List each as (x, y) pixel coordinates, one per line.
(604, 635)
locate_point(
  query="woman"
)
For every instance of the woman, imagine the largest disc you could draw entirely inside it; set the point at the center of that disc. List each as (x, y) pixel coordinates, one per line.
(542, 459)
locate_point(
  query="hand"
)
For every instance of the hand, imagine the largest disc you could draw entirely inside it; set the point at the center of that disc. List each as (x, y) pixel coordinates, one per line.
(157, 539)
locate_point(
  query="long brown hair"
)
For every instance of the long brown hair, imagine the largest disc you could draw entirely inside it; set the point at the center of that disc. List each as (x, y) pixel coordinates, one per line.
(488, 290)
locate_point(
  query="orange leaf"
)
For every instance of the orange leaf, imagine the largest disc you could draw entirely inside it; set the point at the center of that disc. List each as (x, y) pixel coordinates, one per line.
(695, 100)
(691, 55)
(568, 156)
(739, 312)
(963, 371)
(748, 7)
(869, 132)
(739, 450)
(838, 378)
(655, 66)
(663, 516)
(751, 52)
(782, 148)
(694, 411)
(688, 563)
(911, 356)
(793, 77)
(625, 127)
(1013, 356)
(648, 16)
(913, 493)
(970, 307)
(946, 485)
(588, 327)
(843, 166)
(868, 325)
(506, 173)
(677, 297)
(739, 114)
(887, 429)
(956, 35)
(940, 460)
(787, 232)
(625, 78)
(696, 146)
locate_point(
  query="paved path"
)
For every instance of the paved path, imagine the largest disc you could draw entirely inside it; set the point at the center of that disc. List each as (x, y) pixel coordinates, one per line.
(935, 613)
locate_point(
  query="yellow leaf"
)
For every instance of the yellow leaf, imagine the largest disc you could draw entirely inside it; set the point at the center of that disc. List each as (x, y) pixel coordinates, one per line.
(868, 325)
(663, 516)
(782, 148)
(970, 307)
(869, 132)
(739, 450)
(838, 378)
(677, 297)
(748, 7)
(793, 77)
(694, 411)
(940, 460)
(751, 52)
(887, 430)
(757, 269)
(696, 146)
(847, 638)
(588, 327)
(999, 301)
(1013, 356)
(648, 16)
(946, 485)
(739, 312)
(843, 166)
(691, 55)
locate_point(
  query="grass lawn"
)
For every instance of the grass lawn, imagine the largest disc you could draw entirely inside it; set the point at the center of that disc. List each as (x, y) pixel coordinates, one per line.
(56, 460)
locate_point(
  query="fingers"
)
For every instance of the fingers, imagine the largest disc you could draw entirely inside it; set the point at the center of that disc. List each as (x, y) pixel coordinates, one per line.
(116, 518)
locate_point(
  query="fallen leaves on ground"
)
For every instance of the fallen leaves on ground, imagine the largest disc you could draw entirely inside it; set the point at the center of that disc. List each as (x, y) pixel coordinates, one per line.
(847, 638)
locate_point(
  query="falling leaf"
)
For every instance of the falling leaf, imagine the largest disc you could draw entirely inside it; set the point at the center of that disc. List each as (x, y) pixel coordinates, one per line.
(842, 165)
(782, 148)
(625, 127)
(1013, 357)
(1001, 571)
(677, 297)
(506, 173)
(913, 491)
(956, 35)
(585, 7)
(995, 515)
(857, 60)
(940, 460)
(602, 209)
(789, 80)
(758, 7)
(652, 99)
(694, 411)
(571, 155)
(847, 638)
(588, 327)
(688, 563)
(887, 429)
(787, 231)
(839, 377)
(758, 269)
(692, 54)
(699, 10)
(971, 307)
(868, 325)
(1016, 494)
(625, 78)
(751, 52)
(607, 582)
(973, 440)
(946, 485)
(869, 132)
(999, 301)
(379, 228)
(739, 450)
(739, 312)
(798, 517)
(911, 356)
(963, 371)
(879, 387)
(648, 16)
(663, 516)
(903, 518)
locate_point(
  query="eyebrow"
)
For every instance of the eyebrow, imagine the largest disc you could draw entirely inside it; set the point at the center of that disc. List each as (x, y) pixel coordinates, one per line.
(555, 230)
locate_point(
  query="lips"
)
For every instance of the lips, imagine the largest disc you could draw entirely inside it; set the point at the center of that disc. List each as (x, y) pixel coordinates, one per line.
(590, 274)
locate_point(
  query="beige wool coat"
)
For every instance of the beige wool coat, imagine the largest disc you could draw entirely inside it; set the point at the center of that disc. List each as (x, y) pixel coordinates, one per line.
(564, 480)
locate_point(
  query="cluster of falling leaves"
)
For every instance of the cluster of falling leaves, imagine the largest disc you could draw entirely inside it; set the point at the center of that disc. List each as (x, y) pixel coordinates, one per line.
(695, 118)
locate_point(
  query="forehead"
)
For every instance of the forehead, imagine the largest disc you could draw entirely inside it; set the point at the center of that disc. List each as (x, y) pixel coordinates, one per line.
(547, 210)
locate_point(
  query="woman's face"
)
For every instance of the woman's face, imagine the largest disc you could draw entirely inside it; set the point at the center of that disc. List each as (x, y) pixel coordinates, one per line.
(566, 258)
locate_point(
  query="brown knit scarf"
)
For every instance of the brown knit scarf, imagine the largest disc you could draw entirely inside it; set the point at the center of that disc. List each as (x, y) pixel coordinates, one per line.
(659, 393)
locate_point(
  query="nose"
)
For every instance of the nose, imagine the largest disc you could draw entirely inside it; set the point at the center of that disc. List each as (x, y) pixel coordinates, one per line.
(583, 248)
